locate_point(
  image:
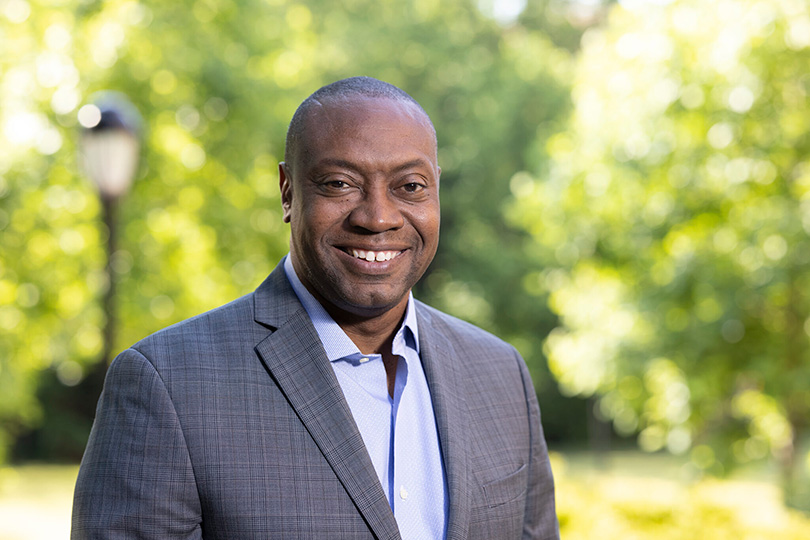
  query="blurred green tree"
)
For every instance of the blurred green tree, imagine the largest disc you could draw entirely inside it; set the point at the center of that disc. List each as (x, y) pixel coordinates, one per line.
(217, 81)
(673, 222)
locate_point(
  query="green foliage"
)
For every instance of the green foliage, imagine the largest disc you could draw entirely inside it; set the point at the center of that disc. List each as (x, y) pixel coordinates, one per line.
(673, 226)
(217, 81)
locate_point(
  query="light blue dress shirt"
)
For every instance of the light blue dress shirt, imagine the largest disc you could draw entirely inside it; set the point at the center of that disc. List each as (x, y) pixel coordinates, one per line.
(400, 432)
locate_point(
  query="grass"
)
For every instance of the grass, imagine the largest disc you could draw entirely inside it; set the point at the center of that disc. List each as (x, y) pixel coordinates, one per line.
(630, 496)
(633, 495)
(35, 501)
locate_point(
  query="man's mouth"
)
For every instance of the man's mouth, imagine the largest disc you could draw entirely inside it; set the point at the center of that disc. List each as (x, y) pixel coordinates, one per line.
(373, 256)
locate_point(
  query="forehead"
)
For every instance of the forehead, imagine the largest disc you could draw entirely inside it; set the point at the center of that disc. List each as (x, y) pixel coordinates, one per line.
(366, 121)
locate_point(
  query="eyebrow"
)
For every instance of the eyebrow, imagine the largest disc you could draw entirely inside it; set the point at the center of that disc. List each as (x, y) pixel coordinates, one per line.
(350, 165)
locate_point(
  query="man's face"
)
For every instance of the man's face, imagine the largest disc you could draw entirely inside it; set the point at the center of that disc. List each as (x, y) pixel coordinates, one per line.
(362, 199)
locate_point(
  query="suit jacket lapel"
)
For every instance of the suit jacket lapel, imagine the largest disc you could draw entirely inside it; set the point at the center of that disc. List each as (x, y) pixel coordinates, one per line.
(295, 358)
(441, 365)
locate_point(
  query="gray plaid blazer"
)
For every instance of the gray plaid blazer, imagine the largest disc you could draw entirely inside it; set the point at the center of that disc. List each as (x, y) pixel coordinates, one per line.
(232, 425)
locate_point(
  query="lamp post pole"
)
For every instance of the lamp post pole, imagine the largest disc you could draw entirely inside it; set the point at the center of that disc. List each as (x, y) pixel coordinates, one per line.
(109, 155)
(109, 207)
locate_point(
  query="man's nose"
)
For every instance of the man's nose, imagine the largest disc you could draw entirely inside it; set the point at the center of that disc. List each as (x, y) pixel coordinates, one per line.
(377, 211)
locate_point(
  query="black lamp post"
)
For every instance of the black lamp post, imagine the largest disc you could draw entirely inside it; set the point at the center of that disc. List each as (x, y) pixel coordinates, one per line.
(109, 155)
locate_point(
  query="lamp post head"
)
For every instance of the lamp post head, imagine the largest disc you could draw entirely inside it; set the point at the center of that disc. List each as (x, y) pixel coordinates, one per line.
(110, 143)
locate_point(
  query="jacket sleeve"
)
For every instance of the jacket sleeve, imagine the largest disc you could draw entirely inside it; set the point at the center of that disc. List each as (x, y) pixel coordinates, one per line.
(136, 478)
(540, 522)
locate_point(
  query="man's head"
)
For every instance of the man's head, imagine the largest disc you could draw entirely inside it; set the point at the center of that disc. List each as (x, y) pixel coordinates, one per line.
(360, 189)
(351, 88)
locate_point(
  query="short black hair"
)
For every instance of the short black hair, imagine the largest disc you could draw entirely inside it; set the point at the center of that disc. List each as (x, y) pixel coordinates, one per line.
(343, 89)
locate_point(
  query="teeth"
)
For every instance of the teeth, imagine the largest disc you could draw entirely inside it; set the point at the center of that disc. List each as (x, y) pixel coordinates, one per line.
(374, 256)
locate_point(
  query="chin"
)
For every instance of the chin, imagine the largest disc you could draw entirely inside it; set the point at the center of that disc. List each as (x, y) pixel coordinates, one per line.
(370, 306)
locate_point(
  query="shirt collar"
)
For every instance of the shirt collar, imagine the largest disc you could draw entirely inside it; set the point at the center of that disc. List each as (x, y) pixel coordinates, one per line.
(335, 341)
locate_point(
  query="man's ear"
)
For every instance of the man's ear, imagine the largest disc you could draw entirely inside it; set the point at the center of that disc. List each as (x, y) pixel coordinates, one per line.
(285, 186)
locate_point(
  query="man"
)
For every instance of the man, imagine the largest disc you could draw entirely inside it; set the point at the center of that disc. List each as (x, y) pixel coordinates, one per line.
(329, 403)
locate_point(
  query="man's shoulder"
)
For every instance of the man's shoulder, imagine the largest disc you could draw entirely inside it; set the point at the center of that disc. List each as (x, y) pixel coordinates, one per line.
(214, 324)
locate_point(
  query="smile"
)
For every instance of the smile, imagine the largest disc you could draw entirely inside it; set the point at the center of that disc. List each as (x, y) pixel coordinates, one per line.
(373, 256)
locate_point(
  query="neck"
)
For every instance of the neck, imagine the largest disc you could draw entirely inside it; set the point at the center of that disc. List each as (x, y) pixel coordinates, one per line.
(372, 335)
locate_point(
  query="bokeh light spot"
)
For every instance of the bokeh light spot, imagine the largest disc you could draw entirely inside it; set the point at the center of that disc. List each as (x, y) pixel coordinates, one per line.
(16, 11)
(69, 373)
(720, 135)
(740, 99)
(162, 307)
(89, 116)
(88, 340)
(775, 247)
(298, 17)
(188, 117)
(192, 156)
(216, 108)
(28, 295)
(164, 82)
(733, 330)
(703, 456)
(65, 99)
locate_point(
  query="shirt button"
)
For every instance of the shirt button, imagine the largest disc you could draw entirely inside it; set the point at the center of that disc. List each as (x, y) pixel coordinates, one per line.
(363, 360)
(403, 493)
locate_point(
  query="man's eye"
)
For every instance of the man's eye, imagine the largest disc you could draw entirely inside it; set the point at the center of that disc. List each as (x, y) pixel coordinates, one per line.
(336, 184)
(412, 187)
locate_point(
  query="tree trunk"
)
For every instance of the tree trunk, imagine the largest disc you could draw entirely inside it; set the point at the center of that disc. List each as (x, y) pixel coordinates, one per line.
(794, 465)
(600, 433)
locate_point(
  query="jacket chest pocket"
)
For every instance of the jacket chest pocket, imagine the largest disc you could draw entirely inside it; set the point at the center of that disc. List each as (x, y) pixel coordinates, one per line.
(507, 489)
